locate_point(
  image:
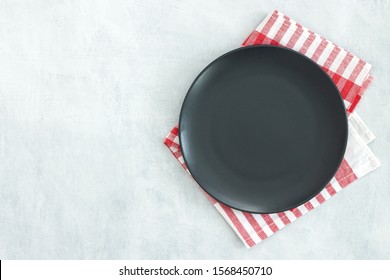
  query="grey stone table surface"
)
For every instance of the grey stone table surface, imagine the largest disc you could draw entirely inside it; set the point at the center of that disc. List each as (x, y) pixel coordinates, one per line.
(89, 89)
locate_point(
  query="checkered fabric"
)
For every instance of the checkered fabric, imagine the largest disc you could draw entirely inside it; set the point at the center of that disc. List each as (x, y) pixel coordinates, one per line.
(352, 77)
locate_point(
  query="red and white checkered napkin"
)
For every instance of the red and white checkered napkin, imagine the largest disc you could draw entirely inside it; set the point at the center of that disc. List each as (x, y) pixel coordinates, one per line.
(351, 75)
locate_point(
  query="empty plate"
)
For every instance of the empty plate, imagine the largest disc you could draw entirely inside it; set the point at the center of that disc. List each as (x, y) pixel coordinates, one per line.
(263, 129)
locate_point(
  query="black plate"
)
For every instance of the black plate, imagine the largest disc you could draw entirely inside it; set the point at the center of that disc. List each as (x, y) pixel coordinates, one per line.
(263, 129)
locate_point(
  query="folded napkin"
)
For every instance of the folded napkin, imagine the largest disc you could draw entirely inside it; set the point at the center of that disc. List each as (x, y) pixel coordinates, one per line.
(351, 76)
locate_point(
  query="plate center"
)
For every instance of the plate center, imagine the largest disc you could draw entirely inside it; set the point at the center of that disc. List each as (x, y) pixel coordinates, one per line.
(254, 134)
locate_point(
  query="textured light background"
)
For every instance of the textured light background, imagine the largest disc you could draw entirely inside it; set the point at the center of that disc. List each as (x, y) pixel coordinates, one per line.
(89, 89)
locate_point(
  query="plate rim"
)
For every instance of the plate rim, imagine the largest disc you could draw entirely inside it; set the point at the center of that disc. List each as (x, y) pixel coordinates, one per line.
(345, 121)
